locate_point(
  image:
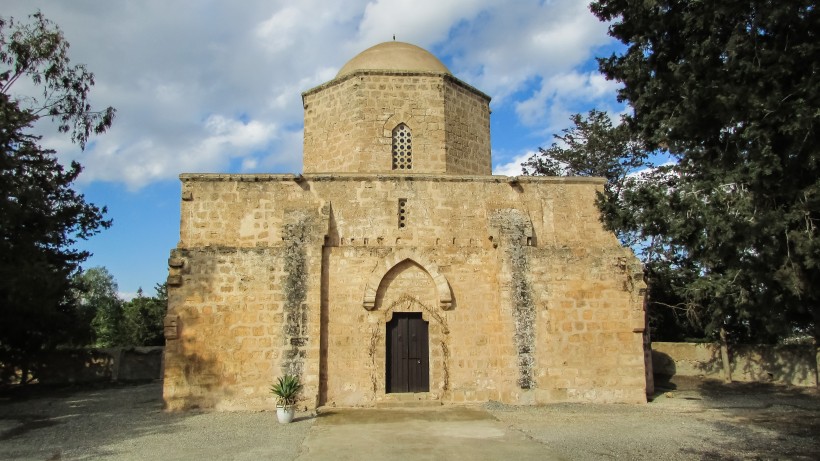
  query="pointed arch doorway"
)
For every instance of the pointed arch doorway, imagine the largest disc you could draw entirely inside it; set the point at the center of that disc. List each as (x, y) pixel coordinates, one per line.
(410, 294)
(408, 355)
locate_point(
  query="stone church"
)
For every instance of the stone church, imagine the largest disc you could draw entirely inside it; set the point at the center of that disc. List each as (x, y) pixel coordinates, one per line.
(396, 267)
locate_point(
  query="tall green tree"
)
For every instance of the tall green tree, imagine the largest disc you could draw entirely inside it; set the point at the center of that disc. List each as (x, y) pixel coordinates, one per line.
(97, 295)
(144, 318)
(41, 216)
(730, 90)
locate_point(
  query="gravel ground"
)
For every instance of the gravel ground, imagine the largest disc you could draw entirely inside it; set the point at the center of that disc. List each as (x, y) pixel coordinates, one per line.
(694, 421)
(127, 423)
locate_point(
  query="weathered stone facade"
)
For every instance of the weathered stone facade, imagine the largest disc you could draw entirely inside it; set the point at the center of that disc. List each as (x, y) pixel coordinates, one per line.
(526, 297)
(349, 123)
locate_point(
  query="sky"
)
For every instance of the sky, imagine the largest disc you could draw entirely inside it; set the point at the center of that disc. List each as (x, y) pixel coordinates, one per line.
(215, 86)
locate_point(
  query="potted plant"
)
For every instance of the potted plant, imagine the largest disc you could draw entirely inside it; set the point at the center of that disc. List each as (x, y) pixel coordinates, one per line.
(286, 389)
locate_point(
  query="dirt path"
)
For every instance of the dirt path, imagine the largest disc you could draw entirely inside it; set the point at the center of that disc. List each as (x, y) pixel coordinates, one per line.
(695, 421)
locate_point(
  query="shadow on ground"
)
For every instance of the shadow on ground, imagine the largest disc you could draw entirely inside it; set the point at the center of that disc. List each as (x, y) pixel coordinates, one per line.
(687, 419)
(757, 420)
(128, 422)
(57, 418)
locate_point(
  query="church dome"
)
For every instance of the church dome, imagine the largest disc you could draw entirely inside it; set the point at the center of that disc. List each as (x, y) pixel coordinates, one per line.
(392, 56)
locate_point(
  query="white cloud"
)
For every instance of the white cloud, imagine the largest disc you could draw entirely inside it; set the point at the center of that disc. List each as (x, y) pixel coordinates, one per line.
(559, 96)
(513, 167)
(216, 86)
(287, 157)
(277, 31)
(249, 164)
(220, 140)
(514, 43)
(421, 22)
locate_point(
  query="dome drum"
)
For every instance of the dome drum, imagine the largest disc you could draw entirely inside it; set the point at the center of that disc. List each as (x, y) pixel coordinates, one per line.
(350, 122)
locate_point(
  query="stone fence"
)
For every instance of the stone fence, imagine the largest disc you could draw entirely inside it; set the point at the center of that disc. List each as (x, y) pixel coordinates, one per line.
(93, 365)
(792, 365)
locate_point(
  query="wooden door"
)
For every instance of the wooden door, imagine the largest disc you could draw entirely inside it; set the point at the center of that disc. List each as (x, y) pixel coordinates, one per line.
(408, 368)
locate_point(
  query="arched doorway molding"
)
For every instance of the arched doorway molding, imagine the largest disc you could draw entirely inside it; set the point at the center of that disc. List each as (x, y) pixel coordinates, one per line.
(445, 296)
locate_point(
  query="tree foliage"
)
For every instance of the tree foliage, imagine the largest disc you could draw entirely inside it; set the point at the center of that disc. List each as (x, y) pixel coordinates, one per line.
(143, 322)
(594, 146)
(117, 323)
(730, 90)
(41, 216)
(38, 52)
(97, 294)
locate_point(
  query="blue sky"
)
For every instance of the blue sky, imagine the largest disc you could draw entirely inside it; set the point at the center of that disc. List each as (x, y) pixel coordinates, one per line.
(204, 86)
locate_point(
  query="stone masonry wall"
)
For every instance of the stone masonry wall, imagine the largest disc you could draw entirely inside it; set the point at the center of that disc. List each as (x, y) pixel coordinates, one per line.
(332, 114)
(467, 126)
(227, 317)
(795, 365)
(349, 124)
(89, 365)
(590, 324)
(528, 299)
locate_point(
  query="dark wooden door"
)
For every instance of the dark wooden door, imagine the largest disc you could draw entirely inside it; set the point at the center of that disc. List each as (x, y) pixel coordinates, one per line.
(408, 368)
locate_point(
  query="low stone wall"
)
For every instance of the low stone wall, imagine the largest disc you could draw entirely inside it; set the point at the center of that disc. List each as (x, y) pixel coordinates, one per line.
(95, 365)
(793, 365)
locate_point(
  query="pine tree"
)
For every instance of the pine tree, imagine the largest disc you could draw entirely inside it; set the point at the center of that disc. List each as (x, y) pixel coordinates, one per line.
(41, 216)
(730, 90)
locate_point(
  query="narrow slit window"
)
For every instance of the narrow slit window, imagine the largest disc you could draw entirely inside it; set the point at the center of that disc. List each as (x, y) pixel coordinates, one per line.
(402, 213)
(402, 148)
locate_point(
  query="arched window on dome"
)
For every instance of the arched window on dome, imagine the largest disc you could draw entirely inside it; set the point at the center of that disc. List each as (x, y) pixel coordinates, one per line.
(402, 148)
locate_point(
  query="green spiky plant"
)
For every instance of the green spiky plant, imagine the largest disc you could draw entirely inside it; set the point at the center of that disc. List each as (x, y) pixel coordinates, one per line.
(286, 389)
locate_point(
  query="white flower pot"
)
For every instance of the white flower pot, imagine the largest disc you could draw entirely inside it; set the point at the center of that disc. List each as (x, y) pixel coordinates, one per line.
(284, 413)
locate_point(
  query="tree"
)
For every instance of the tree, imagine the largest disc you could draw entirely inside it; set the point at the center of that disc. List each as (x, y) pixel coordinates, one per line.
(41, 216)
(97, 293)
(730, 90)
(116, 323)
(38, 52)
(593, 146)
(144, 318)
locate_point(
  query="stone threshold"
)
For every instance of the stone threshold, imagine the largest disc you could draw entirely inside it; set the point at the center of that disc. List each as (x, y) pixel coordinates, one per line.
(407, 400)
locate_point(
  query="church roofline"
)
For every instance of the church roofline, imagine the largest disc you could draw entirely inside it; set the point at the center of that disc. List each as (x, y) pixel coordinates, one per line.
(446, 76)
(319, 177)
